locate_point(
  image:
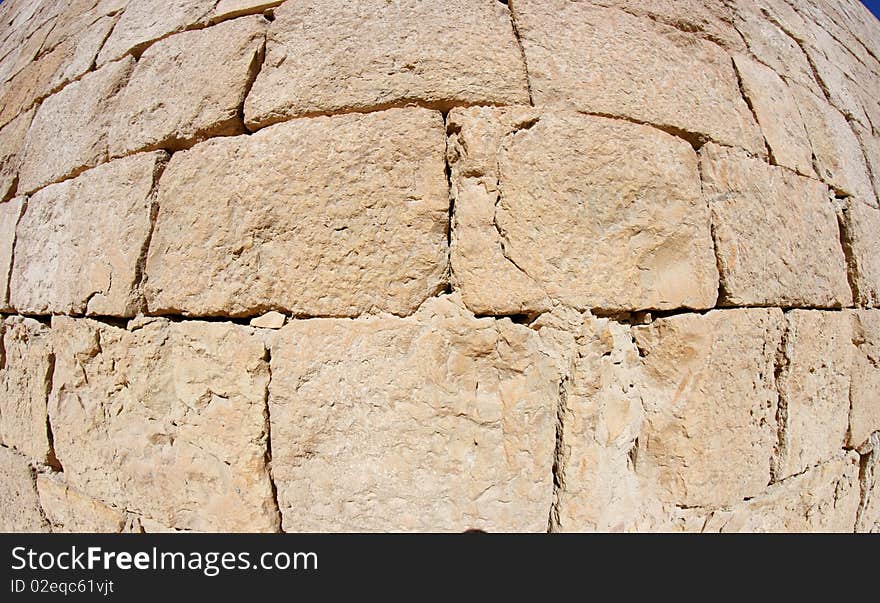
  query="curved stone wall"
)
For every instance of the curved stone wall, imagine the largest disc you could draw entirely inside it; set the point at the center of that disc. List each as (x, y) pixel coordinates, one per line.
(538, 265)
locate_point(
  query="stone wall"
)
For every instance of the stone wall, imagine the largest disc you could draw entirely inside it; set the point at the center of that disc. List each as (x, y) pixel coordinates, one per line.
(409, 265)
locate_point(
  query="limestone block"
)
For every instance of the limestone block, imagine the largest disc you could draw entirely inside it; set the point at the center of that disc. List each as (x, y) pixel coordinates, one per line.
(69, 130)
(777, 115)
(776, 234)
(824, 499)
(592, 212)
(352, 220)
(332, 55)
(142, 23)
(839, 158)
(10, 213)
(860, 235)
(70, 511)
(167, 421)
(79, 243)
(25, 378)
(439, 421)
(188, 87)
(79, 51)
(11, 144)
(29, 85)
(19, 505)
(864, 418)
(609, 62)
(710, 404)
(814, 387)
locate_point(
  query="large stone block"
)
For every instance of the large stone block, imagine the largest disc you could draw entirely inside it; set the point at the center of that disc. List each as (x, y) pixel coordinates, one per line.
(588, 211)
(439, 421)
(69, 130)
(144, 22)
(25, 378)
(352, 220)
(80, 242)
(19, 505)
(710, 405)
(776, 234)
(166, 420)
(610, 62)
(327, 56)
(188, 87)
(11, 144)
(814, 386)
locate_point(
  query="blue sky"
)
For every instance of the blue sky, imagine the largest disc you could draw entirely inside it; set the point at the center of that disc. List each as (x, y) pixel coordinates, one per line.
(874, 5)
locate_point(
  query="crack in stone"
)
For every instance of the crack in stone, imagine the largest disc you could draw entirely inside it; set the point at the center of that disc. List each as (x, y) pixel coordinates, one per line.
(141, 263)
(511, 11)
(267, 417)
(845, 237)
(781, 364)
(559, 456)
(747, 99)
(7, 293)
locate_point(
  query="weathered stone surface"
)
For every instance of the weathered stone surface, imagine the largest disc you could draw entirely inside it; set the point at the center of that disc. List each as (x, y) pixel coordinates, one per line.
(25, 378)
(10, 212)
(860, 235)
(434, 422)
(864, 393)
(869, 512)
(597, 213)
(332, 55)
(69, 130)
(353, 221)
(167, 420)
(79, 51)
(609, 62)
(19, 505)
(765, 256)
(814, 387)
(144, 22)
(11, 143)
(710, 404)
(66, 261)
(824, 499)
(28, 86)
(269, 320)
(839, 158)
(229, 9)
(871, 145)
(777, 115)
(68, 510)
(188, 87)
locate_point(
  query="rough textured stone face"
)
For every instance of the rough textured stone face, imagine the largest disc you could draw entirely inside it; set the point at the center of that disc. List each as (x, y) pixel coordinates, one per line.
(188, 87)
(610, 62)
(764, 257)
(69, 130)
(353, 221)
(25, 379)
(166, 420)
(385, 417)
(330, 55)
(67, 263)
(595, 212)
(400, 265)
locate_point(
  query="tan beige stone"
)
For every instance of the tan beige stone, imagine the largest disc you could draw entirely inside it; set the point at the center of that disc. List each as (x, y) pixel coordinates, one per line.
(19, 505)
(11, 143)
(68, 510)
(814, 386)
(609, 62)
(29, 85)
(25, 378)
(79, 51)
(188, 87)
(824, 499)
(66, 261)
(167, 420)
(864, 393)
(142, 23)
(777, 115)
(326, 56)
(10, 213)
(69, 130)
(839, 158)
(869, 512)
(596, 213)
(710, 405)
(434, 422)
(353, 221)
(229, 9)
(860, 235)
(871, 145)
(269, 320)
(765, 256)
